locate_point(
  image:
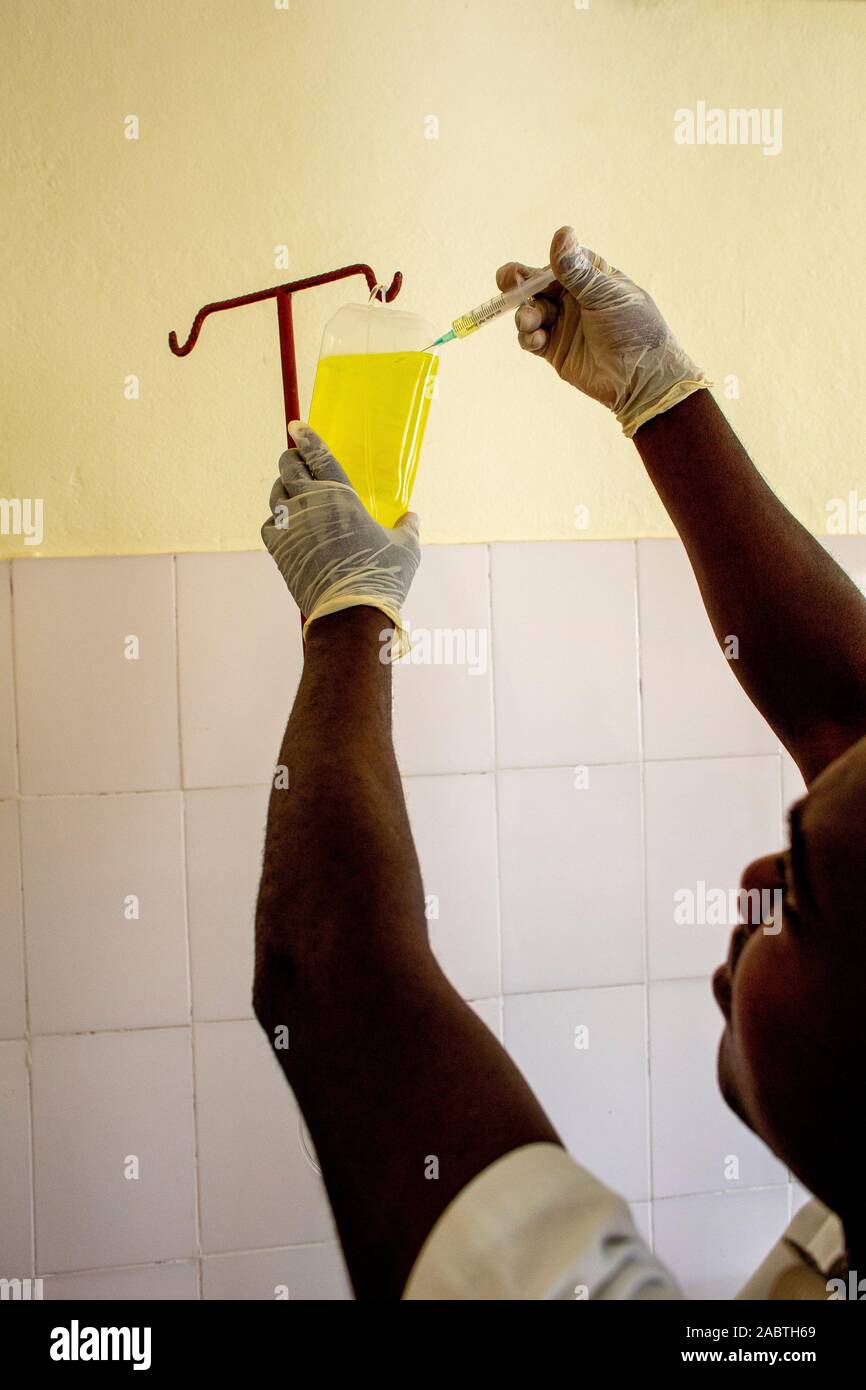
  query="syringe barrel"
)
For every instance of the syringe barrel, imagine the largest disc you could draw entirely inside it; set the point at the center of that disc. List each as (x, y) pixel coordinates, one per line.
(467, 323)
(500, 303)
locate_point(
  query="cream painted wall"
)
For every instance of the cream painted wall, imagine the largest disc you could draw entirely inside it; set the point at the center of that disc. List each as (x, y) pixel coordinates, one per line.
(307, 127)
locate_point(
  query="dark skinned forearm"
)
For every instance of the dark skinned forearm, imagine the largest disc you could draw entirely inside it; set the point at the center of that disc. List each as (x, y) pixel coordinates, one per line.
(406, 1092)
(799, 620)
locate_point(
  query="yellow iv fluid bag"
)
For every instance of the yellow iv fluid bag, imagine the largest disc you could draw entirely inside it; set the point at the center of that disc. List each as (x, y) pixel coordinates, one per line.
(371, 399)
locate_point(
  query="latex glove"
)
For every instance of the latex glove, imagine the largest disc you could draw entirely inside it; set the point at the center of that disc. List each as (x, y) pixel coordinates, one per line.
(603, 334)
(328, 548)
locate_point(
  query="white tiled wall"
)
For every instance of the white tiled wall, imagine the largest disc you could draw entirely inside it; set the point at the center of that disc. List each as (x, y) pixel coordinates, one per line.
(595, 759)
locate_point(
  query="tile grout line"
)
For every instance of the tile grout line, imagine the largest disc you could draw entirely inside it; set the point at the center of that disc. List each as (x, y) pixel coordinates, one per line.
(475, 999)
(644, 891)
(192, 1053)
(406, 776)
(723, 1191)
(177, 691)
(189, 1259)
(183, 1024)
(185, 872)
(28, 1042)
(333, 1243)
(28, 1049)
(495, 729)
(120, 1269)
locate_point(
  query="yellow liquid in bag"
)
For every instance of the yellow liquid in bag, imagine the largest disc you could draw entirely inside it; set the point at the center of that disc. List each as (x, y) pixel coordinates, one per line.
(371, 410)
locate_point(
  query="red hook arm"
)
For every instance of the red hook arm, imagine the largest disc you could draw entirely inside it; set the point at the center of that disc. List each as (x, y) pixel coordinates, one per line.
(295, 285)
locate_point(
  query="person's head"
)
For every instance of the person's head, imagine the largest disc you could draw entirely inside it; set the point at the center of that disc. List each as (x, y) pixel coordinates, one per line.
(791, 1059)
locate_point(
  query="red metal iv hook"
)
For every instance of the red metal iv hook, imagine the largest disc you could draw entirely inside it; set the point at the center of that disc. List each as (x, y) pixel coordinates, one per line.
(283, 295)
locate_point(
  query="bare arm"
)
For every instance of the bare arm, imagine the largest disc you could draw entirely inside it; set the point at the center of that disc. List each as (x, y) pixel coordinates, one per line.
(799, 620)
(391, 1069)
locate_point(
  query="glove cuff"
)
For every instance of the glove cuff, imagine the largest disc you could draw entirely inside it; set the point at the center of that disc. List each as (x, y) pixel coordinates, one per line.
(631, 419)
(400, 644)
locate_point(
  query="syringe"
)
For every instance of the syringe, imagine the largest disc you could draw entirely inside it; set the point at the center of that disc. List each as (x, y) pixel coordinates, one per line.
(499, 304)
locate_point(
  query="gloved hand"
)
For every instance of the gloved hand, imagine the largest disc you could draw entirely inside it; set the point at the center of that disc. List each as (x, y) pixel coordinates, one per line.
(603, 334)
(328, 548)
